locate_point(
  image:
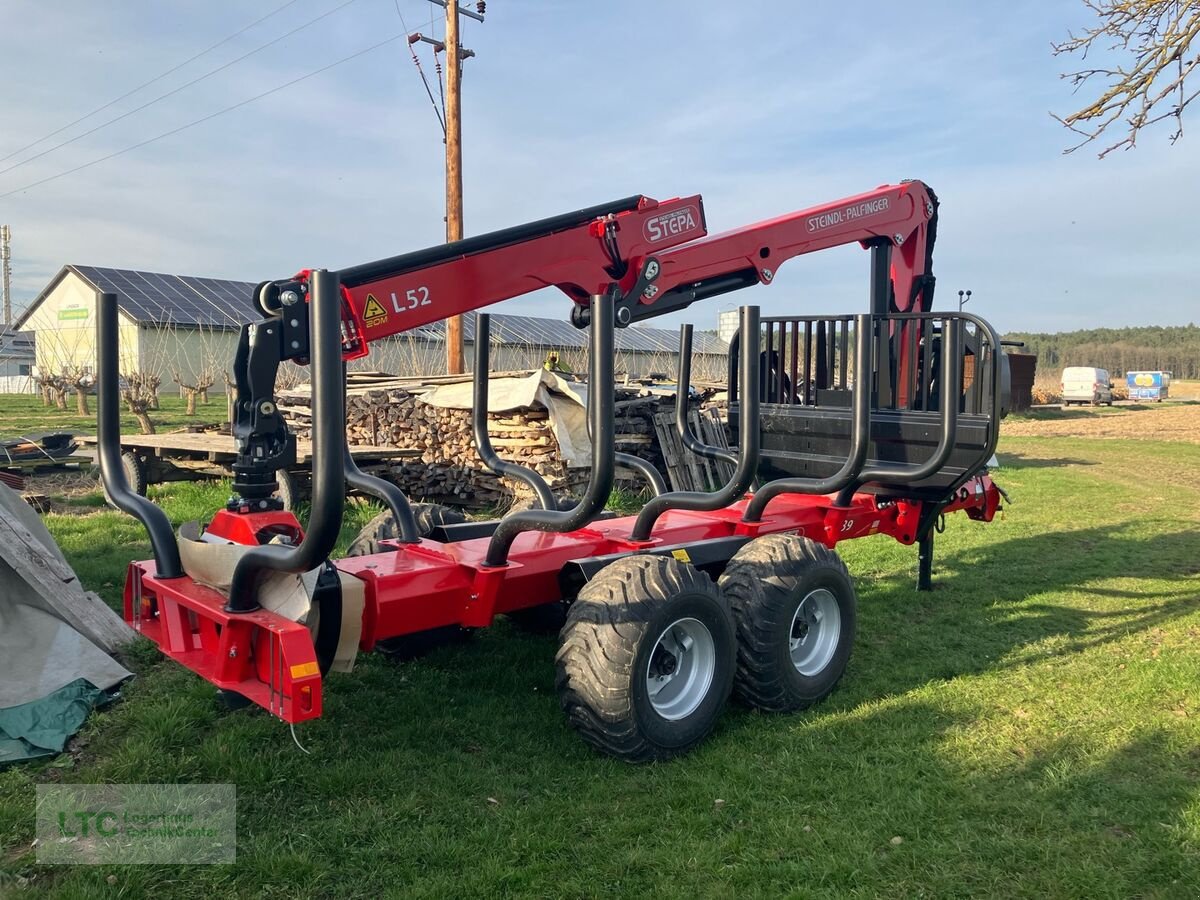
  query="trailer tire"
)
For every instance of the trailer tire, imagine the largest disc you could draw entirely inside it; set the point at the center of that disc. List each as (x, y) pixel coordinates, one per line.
(134, 468)
(643, 624)
(795, 609)
(548, 618)
(383, 526)
(288, 489)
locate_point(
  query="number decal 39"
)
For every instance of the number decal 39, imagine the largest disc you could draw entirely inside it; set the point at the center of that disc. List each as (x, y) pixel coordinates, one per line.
(413, 297)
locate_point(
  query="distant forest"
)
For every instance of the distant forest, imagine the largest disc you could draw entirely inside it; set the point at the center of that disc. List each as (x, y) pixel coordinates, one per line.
(1173, 349)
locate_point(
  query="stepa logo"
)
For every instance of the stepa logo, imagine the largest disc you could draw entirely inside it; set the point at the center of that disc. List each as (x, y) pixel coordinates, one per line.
(671, 224)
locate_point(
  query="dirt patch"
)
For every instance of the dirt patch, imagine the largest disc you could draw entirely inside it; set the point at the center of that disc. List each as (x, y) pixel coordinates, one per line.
(1169, 422)
(70, 493)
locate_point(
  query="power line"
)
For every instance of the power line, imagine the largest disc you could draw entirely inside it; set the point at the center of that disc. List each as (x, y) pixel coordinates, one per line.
(412, 37)
(146, 84)
(171, 93)
(203, 119)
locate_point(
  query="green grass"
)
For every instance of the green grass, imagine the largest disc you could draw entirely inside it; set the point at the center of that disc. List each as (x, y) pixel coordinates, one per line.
(26, 415)
(1030, 728)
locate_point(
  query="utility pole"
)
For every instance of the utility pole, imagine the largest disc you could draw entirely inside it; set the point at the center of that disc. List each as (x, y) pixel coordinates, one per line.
(454, 209)
(6, 266)
(455, 54)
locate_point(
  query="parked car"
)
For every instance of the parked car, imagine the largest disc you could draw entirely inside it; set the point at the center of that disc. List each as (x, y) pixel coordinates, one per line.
(1086, 384)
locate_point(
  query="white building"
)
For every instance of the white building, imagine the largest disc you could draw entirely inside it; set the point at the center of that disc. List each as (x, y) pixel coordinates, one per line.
(16, 361)
(184, 324)
(168, 324)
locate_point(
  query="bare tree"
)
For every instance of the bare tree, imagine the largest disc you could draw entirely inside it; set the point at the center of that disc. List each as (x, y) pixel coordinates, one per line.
(58, 389)
(138, 395)
(153, 382)
(201, 371)
(62, 354)
(1144, 45)
(230, 395)
(141, 378)
(82, 380)
(45, 381)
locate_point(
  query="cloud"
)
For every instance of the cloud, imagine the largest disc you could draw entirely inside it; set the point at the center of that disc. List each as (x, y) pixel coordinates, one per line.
(761, 108)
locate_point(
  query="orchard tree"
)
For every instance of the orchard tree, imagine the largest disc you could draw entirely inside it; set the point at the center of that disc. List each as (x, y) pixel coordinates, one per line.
(1135, 62)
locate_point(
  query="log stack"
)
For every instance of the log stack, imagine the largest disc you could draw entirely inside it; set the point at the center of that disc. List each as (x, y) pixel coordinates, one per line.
(382, 411)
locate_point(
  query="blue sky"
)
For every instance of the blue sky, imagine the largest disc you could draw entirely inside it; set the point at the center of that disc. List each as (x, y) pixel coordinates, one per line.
(762, 107)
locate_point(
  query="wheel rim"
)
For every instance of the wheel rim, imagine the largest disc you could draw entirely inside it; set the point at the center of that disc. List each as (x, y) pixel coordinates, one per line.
(816, 628)
(680, 670)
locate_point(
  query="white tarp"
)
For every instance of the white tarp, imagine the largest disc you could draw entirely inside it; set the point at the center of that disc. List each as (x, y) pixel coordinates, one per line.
(39, 652)
(285, 594)
(565, 400)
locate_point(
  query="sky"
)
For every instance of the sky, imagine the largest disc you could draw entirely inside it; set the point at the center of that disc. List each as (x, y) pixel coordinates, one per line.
(761, 107)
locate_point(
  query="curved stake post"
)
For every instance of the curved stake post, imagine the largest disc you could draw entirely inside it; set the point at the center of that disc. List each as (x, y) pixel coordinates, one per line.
(108, 444)
(601, 409)
(683, 389)
(479, 414)
(860, 434)
(384, 491)
(328, 456)
(749, 441)
(949, 395)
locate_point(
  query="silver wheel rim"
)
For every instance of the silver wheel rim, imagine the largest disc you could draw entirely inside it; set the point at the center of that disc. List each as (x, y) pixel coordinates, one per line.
(814, 633)
(680, 670)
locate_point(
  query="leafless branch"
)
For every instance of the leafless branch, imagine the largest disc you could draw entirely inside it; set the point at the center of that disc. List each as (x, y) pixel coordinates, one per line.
(1149, 42)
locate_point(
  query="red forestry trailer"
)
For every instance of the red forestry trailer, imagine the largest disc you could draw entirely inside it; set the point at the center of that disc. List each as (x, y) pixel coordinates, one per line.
(879, 422)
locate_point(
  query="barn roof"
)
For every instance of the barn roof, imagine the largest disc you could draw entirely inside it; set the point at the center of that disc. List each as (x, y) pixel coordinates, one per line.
(16, 344)
(534, 331)
(152, 298)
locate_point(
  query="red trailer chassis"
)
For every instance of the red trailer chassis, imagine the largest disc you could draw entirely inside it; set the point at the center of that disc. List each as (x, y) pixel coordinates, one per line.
(271, 660)
(646, 258)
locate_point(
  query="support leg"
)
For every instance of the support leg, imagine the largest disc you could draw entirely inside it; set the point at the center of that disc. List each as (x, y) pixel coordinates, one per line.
(925, 562)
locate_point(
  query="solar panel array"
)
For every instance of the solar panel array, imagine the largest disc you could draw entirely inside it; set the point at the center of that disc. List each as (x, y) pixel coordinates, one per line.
(154, 298)
(556, 334)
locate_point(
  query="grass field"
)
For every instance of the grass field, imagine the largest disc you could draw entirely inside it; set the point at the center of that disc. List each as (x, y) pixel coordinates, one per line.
(1031, 728)
(26, 415)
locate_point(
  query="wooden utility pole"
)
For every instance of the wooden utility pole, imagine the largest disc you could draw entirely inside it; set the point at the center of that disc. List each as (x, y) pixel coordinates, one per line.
(454, 222)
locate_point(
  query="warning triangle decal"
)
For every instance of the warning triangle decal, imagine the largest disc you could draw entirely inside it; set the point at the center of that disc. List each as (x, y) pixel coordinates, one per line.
(374, 313)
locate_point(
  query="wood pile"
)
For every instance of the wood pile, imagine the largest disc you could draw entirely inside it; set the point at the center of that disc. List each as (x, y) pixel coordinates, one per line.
(384, 411)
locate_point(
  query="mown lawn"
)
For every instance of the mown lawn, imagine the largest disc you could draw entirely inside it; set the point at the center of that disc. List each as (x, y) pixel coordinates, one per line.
(1030, 728)
(25, 415)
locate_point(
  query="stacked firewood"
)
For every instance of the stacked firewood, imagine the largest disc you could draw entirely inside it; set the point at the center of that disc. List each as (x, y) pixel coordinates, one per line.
(389, 412)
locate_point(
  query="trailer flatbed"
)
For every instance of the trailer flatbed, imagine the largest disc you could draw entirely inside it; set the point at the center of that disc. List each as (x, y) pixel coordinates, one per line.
(199, 455)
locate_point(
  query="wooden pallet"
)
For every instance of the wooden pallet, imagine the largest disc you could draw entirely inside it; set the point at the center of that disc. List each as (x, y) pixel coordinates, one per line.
(685, 470)
(215, 447)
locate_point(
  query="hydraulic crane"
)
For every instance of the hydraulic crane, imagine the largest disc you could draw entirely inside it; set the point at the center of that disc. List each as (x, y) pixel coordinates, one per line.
(854, 425)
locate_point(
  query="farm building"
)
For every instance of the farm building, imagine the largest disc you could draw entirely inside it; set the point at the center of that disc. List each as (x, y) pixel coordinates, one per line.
(168, 323)
(523, 342)
(16, 361)
(190, 324)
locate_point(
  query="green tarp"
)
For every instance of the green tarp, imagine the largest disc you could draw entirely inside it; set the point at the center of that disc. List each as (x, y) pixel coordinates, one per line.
(41, 727)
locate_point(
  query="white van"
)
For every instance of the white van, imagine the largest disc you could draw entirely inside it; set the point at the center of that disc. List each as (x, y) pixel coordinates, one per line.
(1085, 384)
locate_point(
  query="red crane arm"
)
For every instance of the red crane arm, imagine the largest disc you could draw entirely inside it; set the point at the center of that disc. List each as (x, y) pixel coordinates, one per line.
(580, 253)
(902, 215)
(662, 243)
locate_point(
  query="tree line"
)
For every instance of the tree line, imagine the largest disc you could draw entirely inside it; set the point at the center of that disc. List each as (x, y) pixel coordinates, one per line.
(1173, 349)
